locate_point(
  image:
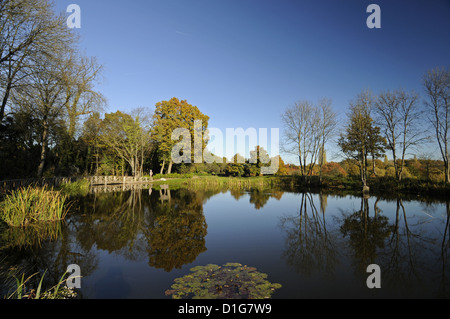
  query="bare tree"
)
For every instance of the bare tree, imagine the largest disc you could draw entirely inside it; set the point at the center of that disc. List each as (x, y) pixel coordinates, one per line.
(44, 96)
(29, 30)
(437, 88)
(399, 115)
(307, 128)
(328, 126)
(82, 97)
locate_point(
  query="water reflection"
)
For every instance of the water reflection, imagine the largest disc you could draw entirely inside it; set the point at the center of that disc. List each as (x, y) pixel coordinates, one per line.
(366, 234)
(166, 228)
(411, 249)
(175, 232)
(310, 247)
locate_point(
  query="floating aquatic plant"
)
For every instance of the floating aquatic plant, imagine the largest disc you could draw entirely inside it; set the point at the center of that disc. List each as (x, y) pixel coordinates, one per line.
(230, 281)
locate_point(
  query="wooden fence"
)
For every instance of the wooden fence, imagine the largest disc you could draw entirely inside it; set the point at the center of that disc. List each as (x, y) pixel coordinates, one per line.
(9, 185)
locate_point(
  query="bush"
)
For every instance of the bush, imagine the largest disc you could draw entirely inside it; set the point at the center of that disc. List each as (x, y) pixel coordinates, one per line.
(333, 169)
(28, 206)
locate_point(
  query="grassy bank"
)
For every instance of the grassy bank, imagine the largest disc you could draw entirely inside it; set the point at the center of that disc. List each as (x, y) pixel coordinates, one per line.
(28, 206)
(378, 185)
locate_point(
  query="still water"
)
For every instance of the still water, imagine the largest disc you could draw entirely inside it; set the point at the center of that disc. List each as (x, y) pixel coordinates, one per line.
(133, 244)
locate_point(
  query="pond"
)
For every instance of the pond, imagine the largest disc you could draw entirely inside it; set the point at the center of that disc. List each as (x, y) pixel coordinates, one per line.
(136, 243)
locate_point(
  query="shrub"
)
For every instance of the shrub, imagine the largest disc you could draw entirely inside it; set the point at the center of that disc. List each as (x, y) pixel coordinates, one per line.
(31, 205)
(333, 169)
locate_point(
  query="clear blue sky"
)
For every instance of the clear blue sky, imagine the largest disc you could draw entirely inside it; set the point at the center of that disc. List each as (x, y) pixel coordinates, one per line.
(242, 62)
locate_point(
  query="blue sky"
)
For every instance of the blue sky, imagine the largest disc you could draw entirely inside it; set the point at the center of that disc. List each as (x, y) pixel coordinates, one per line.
(242, 62)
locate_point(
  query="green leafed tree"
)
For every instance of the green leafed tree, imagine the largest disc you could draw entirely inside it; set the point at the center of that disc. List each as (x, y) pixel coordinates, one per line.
(361, 138)
(128, 139)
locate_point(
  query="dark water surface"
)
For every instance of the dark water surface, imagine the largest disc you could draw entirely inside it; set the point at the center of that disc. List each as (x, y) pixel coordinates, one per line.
(133, 244)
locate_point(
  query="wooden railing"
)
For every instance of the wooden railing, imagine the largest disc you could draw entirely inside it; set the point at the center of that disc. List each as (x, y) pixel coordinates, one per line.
(9, 185)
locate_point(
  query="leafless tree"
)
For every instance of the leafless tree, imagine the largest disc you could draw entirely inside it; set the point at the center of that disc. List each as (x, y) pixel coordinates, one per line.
(327, 126)
(307, 128)
(82, 97)
(398, 115)
(436, 83)
(29, 31)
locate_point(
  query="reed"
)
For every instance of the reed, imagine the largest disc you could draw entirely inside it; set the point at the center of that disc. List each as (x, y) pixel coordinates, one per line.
(28, 206)
(59, 291)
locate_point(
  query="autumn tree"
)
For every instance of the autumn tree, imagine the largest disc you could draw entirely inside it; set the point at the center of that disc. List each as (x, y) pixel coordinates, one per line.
(236, 167)
(361, 138)
(127, 137)
(282, 169)
(178, 114)
(437, 89)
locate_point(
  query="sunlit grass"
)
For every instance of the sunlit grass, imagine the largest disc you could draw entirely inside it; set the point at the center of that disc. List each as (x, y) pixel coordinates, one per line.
(23, 290)
(27, 206)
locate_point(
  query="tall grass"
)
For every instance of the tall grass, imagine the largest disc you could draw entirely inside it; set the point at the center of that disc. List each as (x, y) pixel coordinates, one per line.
(27, 206)
(59, 291)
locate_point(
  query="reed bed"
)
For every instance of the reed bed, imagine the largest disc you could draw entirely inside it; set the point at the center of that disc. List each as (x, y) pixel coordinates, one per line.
(31, 205)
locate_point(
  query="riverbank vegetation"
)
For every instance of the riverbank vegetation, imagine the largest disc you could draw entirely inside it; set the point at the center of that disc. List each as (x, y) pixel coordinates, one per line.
(380, 186)
(25, 289)
(33, 205)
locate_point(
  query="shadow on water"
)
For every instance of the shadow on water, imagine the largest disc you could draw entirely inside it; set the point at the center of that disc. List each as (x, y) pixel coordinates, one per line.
(166, 228)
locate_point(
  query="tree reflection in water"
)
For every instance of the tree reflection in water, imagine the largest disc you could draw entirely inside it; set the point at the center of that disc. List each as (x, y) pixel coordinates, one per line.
(167, 228)
(176, 232)
(172, 225)
(405, 246)
(366, 234)
(309, 245)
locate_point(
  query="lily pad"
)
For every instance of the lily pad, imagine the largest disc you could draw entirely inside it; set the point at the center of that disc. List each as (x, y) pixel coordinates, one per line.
(230, 281)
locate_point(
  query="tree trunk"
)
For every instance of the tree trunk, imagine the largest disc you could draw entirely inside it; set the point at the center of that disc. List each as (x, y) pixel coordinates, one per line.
(162, 166)
(169, 169)
(446, 169)
(374, 166)
(5, 100)
(43, 149)
(133, 166)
